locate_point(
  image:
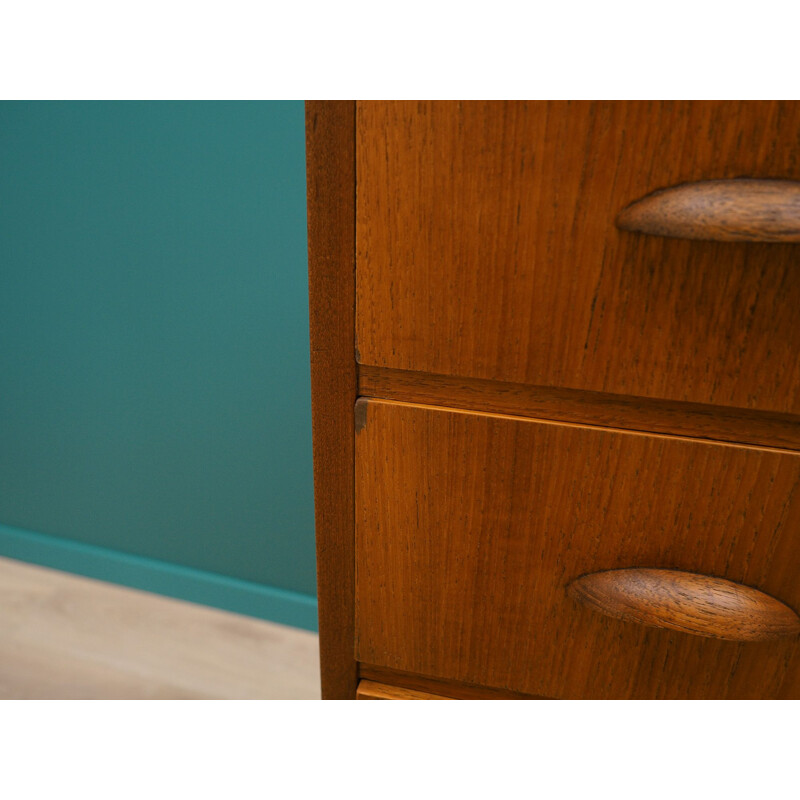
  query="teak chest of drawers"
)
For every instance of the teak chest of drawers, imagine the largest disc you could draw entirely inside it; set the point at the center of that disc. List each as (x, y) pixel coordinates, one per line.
(556, 398)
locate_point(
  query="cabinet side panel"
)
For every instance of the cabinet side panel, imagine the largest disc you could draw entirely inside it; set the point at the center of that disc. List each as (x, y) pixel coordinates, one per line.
(330, 159)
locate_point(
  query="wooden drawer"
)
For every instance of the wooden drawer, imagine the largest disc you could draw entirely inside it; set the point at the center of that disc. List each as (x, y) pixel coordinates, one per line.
(470, 527)
(487, 248)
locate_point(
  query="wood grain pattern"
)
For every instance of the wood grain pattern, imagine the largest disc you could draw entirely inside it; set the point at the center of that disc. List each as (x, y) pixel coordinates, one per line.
(369, 690)
(330, 158)
(487, 248)
(595, 408)
(469, 527)
(446, 688)
(739, 210)
(683, 601)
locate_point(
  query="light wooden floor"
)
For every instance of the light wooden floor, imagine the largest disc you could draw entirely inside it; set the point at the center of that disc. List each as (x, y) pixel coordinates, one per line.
(67, 637)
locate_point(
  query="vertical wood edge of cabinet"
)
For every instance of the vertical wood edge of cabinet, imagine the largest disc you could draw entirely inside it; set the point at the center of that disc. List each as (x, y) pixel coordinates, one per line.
(330, 171)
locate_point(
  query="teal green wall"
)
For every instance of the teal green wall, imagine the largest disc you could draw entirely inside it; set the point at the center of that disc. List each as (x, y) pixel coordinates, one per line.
(154, 378)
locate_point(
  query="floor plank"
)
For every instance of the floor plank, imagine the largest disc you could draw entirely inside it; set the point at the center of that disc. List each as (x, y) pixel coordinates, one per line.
(68, 637)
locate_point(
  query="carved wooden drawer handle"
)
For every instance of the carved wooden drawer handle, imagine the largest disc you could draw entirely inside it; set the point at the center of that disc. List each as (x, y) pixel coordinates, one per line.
(683, 601)
(740, 210)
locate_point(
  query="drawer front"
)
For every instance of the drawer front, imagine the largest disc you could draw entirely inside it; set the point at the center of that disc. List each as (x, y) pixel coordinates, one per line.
(487, 248)
(470, 527)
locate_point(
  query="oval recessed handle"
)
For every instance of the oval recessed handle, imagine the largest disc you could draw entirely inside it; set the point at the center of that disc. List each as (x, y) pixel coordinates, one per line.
(686, 602)
(739, 210)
